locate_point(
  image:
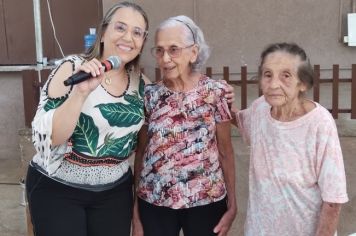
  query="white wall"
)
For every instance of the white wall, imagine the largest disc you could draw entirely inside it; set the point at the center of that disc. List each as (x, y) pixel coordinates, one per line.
(237, 31)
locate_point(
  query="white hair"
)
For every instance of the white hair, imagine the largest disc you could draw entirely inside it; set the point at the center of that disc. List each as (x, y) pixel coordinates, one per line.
(194, 35)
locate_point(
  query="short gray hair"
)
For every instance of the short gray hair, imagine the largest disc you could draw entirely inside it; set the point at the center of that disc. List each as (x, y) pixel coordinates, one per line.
(194, 35)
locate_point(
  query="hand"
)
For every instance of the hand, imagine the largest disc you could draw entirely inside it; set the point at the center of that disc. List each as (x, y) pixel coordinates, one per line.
(96, 69)
(224, 225)
(230, 95)
(137, 228)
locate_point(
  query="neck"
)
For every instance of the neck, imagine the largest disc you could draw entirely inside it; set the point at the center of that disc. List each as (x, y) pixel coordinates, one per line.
(289, 112)
(183, 84)
(115, 76)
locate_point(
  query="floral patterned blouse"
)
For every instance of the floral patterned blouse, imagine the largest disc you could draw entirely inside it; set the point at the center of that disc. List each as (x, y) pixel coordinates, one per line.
(95, 156)
(181, 168)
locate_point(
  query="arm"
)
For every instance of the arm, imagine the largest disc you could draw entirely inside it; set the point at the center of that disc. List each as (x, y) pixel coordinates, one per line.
(234, 111)
(226, 157)
(66, 115)
(331, 174)
(229, 94)
(137, 229)
(328, 219)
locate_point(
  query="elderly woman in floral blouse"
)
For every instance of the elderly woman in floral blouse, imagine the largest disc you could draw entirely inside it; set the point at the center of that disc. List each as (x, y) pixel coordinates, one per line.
(185, 174)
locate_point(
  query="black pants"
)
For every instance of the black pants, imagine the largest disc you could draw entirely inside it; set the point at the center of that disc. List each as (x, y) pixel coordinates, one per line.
(195, 221)
(60, 210)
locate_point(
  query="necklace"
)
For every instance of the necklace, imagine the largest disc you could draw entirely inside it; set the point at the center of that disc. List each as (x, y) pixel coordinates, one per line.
(107, 79)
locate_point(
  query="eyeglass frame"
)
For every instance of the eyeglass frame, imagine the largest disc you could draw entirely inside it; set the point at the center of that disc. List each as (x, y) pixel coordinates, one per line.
(145, 32)
(167, 50)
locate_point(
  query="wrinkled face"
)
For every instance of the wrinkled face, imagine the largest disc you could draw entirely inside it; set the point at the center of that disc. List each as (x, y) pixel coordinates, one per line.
(279, 81)
(175, 65)
(124, 35)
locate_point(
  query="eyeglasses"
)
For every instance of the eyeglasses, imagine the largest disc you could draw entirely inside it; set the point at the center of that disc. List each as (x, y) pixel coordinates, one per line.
(136, 32)
(173, 51)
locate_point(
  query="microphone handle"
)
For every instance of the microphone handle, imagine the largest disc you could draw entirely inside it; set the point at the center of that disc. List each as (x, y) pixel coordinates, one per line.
(82, 76)
(77, 78)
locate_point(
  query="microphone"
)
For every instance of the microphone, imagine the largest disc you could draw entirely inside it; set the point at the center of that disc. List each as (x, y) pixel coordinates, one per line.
(113, 62)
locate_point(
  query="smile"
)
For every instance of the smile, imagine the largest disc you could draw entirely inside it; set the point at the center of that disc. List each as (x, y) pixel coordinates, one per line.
(125, 48)
(168, 69)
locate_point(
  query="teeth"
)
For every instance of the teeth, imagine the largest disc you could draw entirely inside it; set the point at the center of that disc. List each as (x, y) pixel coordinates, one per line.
(125, 48)
(170, 68)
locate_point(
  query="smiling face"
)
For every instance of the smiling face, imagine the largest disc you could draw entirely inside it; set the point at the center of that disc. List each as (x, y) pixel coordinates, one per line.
(121, 37)
(179, 66)
(279, 80)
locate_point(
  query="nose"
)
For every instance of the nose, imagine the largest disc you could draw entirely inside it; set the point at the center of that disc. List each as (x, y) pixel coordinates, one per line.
(274, 82)
(166, 57)
(127, 35)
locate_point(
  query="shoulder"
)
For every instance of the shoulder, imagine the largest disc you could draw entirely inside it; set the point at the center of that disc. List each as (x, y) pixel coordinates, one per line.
(72, 60)
(322, 116)
(215, 83)
(260, 103)
(153, 87)
(67, 66)
(145, 79)
(218, 86)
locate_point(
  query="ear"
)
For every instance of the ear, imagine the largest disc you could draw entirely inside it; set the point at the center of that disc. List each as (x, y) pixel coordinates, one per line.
(195, 52)
(302, 87)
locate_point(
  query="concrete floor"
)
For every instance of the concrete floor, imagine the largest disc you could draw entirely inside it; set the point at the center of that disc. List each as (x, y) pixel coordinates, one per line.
(12, 214)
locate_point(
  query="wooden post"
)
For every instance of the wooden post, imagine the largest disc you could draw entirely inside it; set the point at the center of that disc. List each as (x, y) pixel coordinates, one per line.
(209, 72)
(243, 87)
(226, 74)
(335, 92)
(316, 83)
(31, 92)
(353, 92)
(157, 74)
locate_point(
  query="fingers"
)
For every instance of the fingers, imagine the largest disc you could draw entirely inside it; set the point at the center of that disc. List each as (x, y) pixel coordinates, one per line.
(223, 227)
(234, 109)
(221, 230)
(230, 95)
(94, 67)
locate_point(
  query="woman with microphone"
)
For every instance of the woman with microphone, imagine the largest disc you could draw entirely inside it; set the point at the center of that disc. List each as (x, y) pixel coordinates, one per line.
(79, 182)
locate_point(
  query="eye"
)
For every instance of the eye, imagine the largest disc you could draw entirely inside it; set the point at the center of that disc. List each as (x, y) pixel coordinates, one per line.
(121, 28)
(174, 50)
(159, 51)
(267, 74)
(286, 76)
(138, 33)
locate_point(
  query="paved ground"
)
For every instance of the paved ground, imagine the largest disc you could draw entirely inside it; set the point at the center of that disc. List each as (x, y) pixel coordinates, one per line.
(12, 214)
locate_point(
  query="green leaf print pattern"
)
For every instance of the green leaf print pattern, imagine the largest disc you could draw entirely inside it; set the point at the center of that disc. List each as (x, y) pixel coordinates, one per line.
(123, 115)
(53, 103)
(118, 147)
(86, 135)
(133, 99)
(141, 87)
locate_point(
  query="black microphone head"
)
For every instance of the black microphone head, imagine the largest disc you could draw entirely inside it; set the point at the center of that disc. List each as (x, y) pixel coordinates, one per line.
(115, 61)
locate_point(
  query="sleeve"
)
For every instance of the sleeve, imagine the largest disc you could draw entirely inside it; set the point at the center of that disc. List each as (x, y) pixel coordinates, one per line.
(48, 157)
(222, 111)
(330, 165)
(243, 119)
(246, 118)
